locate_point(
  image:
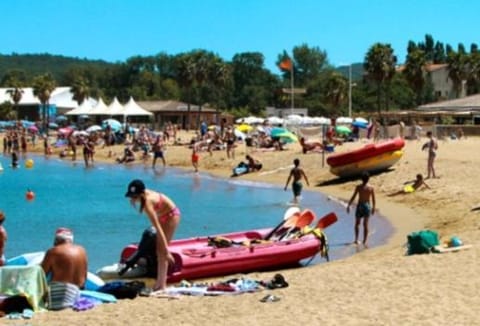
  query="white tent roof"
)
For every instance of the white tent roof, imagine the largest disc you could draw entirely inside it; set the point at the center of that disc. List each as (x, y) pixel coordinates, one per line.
(85, 108)
(132, 108)
(115, 108)
(99, 109)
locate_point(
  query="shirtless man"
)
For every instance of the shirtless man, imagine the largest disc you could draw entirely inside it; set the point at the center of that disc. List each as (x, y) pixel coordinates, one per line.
(3, 239)
(366, 194)
(67, 264)
(296, 173)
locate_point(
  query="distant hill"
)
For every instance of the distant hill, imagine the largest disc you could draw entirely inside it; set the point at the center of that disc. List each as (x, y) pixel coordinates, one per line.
(357, 71)
(39, 64)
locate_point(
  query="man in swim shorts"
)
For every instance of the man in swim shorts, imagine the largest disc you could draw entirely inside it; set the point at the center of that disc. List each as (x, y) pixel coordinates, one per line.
(366, 194)
(66, 264)
(297, 174)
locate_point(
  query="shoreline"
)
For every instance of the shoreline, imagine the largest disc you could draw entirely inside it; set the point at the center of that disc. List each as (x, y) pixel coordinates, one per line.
(380, 286)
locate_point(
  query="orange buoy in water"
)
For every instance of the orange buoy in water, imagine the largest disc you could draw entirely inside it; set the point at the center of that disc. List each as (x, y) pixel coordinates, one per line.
(30, 195)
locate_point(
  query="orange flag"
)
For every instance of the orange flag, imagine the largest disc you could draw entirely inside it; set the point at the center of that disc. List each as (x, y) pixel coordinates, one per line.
(286, 64)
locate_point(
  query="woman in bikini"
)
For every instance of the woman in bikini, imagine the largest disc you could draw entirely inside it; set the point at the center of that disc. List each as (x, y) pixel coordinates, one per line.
(164, 216)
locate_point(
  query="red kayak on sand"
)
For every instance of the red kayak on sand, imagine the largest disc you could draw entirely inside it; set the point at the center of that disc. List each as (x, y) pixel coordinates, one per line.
(237, 252)
(365, 152)
(371, 158)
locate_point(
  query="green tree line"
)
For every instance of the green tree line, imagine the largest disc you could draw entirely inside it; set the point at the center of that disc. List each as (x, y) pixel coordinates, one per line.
(243, 85)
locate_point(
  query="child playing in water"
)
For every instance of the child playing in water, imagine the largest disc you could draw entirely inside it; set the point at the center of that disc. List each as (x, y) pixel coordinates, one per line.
(195, 158)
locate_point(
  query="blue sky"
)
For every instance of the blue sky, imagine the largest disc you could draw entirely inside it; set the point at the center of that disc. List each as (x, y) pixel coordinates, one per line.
(114, 30)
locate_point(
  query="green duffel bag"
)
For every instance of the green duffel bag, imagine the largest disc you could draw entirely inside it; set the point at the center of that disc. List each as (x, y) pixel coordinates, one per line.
(422, 242)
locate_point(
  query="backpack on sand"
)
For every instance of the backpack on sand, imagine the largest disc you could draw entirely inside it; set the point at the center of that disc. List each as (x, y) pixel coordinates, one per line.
(422, 242)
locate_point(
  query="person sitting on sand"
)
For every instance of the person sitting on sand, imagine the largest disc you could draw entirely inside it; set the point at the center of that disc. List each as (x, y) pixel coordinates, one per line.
(128, 156)
(253, 164)
(67, 265)
(411, 186)
(314, 146)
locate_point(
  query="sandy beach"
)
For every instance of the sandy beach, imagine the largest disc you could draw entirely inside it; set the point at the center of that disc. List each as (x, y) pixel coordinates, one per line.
(378, 286)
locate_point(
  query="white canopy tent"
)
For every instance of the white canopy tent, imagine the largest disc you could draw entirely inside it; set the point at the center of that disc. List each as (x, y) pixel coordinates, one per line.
(132, 108)
(99, 109)
(84, 108)
(115, 108)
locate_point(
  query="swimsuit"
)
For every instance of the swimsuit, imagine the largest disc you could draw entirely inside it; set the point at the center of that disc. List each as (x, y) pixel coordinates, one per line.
(195, 158)
(170, 214)
(62, 295)
(297, 188)
(363, 210)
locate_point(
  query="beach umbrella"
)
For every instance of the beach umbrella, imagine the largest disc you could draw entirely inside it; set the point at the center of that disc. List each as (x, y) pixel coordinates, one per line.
(275, 120)
(283, 134)
(239, 134)
(61, 118)
(33, 129)
(344, 120)
(80, 133)
(114, 124)
(244, 128)
(52, 125)
(342, 130)
(65, 131)
(361, 120)
(94, 128)
(360, 124)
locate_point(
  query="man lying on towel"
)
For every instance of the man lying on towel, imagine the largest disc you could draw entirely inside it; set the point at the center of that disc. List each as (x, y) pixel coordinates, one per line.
(65, 265)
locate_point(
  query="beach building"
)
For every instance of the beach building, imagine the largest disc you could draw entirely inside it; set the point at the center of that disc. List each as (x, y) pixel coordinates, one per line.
(178, 113)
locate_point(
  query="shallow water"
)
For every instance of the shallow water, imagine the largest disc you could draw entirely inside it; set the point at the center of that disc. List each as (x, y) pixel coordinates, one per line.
(91, 202)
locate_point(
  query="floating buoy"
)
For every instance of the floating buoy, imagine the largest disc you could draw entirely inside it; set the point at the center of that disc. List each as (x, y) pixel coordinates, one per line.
(29, 163)
(30, 195)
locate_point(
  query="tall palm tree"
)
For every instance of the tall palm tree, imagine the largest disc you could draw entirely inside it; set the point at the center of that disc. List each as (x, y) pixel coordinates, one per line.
(380, 68)
(336, 89)
(16, 94)
(43, 87)
(185, 67)
(457, 70)
(415, 72)
(80, 90)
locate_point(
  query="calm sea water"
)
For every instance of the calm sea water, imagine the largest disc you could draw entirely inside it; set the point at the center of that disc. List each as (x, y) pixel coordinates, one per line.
(91, 202)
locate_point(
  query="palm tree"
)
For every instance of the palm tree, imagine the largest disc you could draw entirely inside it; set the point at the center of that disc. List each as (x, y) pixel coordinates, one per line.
(414, 72)
(80, 90)
(336, 89)
(457, 70)
(43, 87)
(16, 94)
(185, 67)
(380, 68)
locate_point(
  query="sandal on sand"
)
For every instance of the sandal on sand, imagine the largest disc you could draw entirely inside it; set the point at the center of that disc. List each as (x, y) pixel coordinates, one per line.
(270, 298)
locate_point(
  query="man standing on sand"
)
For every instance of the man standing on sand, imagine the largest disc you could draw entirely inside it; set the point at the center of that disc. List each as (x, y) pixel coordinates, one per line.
(66, 266)
(296, 173)
(366, 194)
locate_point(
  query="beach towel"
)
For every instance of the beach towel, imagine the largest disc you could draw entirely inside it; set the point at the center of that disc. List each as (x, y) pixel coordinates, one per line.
(29, 281)
(62, 295)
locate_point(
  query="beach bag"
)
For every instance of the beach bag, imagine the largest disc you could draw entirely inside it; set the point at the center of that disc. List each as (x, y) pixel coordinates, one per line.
(422, 242)
(122, 290)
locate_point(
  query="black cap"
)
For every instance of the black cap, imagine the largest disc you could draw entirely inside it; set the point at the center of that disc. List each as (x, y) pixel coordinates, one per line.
(135, 188)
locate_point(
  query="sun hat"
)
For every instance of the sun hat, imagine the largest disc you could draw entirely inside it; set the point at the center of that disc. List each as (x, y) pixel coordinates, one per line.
(135, 188)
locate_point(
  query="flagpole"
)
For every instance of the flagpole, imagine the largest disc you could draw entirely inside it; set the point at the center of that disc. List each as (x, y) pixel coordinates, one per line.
(291, 87)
